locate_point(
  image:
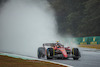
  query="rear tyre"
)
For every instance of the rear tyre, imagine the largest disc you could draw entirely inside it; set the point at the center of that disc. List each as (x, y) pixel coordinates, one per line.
(49, 53)
(41, 52)
(76, 53)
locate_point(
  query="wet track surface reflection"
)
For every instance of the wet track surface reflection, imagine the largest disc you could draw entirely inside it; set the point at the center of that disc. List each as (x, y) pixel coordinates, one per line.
(89, 58)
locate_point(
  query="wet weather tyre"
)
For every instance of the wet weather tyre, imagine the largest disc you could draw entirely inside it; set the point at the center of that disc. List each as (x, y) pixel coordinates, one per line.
(39, 55)
(41, 52)
(49, 53)
(76, 53)
(75, 58)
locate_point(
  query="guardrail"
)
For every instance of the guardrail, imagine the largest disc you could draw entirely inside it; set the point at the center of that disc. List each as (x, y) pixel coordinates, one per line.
(92, 40)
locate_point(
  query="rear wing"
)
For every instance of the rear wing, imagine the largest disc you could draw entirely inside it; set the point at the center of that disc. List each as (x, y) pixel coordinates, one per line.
(50, 44)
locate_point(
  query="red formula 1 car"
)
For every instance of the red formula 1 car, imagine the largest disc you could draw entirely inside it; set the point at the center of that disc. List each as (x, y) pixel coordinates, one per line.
(57, 50)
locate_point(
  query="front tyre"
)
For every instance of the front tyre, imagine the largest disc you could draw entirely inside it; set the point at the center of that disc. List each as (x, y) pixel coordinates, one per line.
(75, 58)
(49, 53)
(75, 53)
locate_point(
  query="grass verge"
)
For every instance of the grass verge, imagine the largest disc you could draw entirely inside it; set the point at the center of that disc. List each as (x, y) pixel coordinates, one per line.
(6, 61)
(90, 46)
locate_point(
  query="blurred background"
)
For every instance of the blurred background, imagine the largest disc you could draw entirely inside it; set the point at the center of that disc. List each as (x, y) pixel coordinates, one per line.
(72, 21)
(76, 17)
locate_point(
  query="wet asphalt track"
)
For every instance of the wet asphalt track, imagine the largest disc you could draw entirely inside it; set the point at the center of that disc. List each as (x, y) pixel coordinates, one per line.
(89, 58)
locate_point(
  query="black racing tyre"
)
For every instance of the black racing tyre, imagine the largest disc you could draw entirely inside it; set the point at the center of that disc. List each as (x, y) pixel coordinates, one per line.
(49, 53)
(74, 58)
(76, 53)
(41, 52)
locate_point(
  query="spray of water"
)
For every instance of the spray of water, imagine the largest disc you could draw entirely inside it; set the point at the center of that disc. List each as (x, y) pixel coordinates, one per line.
(26, 25)
(69, 41)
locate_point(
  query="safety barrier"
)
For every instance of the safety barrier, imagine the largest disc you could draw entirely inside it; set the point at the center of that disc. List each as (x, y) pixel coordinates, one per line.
(93, 40)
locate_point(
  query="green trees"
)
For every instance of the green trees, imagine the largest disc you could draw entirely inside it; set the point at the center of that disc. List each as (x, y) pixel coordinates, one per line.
(92, 17)
(77, 17)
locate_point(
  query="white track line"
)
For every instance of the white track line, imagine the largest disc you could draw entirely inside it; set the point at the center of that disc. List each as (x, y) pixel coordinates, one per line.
(31, 58)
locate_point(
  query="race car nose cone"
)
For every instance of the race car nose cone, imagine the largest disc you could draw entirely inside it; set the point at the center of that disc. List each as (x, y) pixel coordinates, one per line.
(63, 52)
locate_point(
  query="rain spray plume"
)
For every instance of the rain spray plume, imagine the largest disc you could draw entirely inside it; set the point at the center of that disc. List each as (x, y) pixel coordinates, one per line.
(26, 25)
